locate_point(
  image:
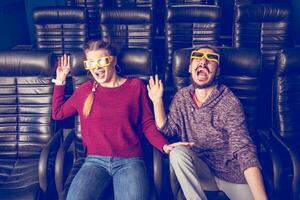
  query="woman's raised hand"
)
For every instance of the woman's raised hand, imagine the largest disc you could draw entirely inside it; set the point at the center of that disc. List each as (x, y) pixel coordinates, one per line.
(155, 89)
(63, 67)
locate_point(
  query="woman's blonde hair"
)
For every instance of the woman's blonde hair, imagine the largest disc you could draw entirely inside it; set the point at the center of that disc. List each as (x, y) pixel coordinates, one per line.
(94, 45)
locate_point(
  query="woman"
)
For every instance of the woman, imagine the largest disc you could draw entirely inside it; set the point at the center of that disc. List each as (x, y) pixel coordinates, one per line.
(113, 112)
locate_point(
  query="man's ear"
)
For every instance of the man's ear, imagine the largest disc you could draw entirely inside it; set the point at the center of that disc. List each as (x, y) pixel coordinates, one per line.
(218, 71)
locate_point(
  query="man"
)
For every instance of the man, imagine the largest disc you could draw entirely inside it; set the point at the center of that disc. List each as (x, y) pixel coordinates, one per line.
(221, 155)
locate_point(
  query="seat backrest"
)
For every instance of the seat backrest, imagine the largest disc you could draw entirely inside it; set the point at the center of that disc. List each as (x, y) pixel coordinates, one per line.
(25, 103)
(189, 26)
(133, 62)
(93, 7)
(134, 3)
(127, 27)
(60, 29)
(286, 94)
(240, 71)
(266, 27)
(239, 2)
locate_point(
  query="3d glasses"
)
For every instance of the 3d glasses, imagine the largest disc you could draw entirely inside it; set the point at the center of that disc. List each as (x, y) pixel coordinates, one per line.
(208, 55)
(96, 63)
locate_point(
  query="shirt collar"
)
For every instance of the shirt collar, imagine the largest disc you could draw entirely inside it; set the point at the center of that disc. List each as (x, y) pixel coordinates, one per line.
(215, 94)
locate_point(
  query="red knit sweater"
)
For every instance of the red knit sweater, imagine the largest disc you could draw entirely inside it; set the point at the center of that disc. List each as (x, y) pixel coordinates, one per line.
(118, 118)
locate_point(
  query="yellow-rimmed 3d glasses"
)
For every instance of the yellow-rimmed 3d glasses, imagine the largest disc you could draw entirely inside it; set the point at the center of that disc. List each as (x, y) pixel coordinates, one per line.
(208, 55)
(96, 63)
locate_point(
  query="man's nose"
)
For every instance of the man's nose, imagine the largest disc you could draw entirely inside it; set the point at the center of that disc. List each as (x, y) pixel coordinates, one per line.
(203, 62)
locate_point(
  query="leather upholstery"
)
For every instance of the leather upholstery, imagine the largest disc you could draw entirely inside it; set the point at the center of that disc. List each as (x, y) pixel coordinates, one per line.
(240, 71)
(188, 26)
(25, 121)
(239, 2)
(127, 27)
(60, 29)
(191, 2)
(286, 95)
(282, 141)
(134, 3)
(93, 7)
(265, 28)
(136, 62)
(286, 112)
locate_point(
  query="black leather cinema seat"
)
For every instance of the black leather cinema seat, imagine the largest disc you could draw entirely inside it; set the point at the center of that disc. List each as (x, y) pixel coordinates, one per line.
(282, 141)
(189, 26)
(240, 71)
(93, 7)
(133, 62)
(60, 29)
(127, 27)
(267, 28)
(27, 145)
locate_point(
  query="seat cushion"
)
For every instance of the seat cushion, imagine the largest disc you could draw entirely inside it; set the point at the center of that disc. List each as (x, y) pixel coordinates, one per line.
(19, 179)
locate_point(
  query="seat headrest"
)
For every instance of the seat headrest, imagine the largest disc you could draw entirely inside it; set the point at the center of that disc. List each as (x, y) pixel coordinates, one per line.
(233, 61)
(26, 63)
(77, 68)
(125, 16)
(200, 13)
(262, 13)
(136, 62)
(133, 62)
(56, 15)
(288, 62)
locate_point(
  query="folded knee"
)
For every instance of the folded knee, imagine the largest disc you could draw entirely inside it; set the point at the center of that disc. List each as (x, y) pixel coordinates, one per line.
(180, 153)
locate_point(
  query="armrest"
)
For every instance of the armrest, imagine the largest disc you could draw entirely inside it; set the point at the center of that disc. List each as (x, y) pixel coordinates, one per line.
(294, 150)
(60, 161)
(157, 171)
(276, 154)
(46, 161)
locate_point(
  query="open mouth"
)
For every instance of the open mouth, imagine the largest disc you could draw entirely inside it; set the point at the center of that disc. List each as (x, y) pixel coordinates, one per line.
(202, 75)
(100, 73)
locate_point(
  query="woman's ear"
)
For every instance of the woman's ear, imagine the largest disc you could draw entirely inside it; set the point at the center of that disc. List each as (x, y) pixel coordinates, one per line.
(114, 61)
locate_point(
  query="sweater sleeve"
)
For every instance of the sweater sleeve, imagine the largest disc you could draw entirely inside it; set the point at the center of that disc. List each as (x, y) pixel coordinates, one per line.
(62, 109)
(174, 120)
(240, 143)
(148, 122)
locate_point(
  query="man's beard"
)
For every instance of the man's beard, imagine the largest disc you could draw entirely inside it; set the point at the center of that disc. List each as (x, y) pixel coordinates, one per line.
(210, 83)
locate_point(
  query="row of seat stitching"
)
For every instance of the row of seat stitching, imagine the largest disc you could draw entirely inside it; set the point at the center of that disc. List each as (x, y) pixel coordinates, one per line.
(35, 114)
(8, 125)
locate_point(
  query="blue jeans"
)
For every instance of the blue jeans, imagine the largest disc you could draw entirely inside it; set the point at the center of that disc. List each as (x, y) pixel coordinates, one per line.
(129, 177)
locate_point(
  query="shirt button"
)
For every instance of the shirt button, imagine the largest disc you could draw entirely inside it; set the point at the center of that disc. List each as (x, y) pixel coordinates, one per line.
(192, 109)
